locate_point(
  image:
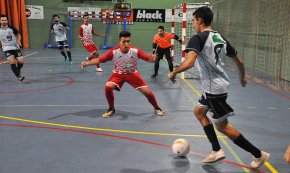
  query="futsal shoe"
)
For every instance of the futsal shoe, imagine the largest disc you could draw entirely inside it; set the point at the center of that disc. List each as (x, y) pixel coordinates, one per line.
(70, 62)
(20, 78)
(257, 162)
(154, 75)
(159, 112)
(99, 69)
(214, 156)
(109, 113)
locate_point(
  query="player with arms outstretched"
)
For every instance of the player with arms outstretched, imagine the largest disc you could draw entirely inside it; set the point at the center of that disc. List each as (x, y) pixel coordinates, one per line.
(125, 57)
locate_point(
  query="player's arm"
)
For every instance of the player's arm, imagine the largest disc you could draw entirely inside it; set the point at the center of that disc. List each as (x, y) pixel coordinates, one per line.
(231, 52)
(51, 28)
(177, 38)
(18, 38)
(186, 64)
(95, 34)
(65, 25)
(146, 57)
(154, 45)
(108, 56)
(240, 64)
(287, 155)
(80, 33)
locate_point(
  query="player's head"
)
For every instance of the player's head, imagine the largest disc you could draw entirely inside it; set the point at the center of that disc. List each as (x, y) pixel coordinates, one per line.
(55, 18)
(3, 20)
(160, 30)
(86, 18)
(202, 16)
(124, 41)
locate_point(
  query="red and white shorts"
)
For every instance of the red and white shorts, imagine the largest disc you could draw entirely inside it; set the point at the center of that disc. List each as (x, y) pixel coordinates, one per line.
(91, 48)
(134, 79)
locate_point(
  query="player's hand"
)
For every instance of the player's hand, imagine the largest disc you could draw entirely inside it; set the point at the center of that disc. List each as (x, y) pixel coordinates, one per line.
(84, 64)
(19, 44)
(152, 57)
(180, 41)
(81, 38)
(243, 82)
(172, 77)
(287, 155)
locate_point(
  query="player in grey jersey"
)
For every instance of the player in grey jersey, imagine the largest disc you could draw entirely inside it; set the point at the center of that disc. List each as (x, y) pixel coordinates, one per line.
(10, 42)
(59, 30)
(208, 49)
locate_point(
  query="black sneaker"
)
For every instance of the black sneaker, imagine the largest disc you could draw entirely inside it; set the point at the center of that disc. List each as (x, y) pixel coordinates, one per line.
(21, 78)
(109, 113)
(154, 75)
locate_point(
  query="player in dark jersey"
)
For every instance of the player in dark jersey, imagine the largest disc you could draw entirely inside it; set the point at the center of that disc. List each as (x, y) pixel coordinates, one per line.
(10, 42)
(59, 30)
(125, 59)
(208, 49)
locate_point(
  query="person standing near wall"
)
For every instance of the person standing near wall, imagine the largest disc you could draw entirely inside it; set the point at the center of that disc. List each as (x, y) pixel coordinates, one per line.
(59, 30)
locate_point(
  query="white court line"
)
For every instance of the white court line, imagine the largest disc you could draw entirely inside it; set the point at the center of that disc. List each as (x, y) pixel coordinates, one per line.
(77, 106)
(31, 54)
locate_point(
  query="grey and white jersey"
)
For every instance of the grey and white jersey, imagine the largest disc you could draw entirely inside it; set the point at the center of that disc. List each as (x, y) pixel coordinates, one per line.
(212, 48)
(59, 31)
(8, 38)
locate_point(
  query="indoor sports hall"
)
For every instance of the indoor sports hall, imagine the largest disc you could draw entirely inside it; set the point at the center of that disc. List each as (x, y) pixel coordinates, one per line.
(52, 120)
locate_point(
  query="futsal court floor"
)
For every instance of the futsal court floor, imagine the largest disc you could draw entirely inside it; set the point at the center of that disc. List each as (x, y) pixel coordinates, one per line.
(52, 123)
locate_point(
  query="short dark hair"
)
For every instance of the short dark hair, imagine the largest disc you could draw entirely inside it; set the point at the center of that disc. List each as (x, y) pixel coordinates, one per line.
(204, 13)
(124, 34)
(161, 27)
(55, 15)
(86, 14)
(3, 15)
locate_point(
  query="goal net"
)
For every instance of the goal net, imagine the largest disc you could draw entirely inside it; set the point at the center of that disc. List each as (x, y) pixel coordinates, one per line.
(182, 26)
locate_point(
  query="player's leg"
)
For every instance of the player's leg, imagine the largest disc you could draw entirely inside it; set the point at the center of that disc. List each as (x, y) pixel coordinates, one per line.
(136, 81)
(200, 112)
(67, 50)
(259, 157)
(169, 59)
(94, 54)
(160, 54)
(61, 49)
(11, 57)
(115, 82)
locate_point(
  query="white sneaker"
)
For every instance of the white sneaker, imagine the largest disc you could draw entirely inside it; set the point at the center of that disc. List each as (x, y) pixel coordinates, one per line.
(214, 156)
(257, 162)
(159, 112)
(99, 69)
(109, 113)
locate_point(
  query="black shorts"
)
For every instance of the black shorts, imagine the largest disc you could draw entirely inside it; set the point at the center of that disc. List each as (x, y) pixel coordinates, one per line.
(15, 53)
(62, 44)
(217, 105)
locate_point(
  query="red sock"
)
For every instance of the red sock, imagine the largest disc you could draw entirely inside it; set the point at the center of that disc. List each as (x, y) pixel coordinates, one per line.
(110, 96)
(98, 65)
(151, 98)
(94, 56)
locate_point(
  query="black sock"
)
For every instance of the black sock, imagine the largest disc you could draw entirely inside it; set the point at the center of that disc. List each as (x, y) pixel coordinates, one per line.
(19, 66)
(211, 135)
(69, 55)
(246, 145)
(63, 53)
(15, 70)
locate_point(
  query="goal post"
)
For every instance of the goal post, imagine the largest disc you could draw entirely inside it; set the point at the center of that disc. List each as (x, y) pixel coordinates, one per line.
(182, 26)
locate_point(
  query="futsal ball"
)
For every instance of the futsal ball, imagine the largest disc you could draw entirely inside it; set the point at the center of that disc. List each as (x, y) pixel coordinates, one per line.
(181, 147)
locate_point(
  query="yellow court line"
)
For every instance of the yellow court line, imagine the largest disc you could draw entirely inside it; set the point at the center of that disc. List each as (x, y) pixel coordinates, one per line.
(102, 129)
(234, 154)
